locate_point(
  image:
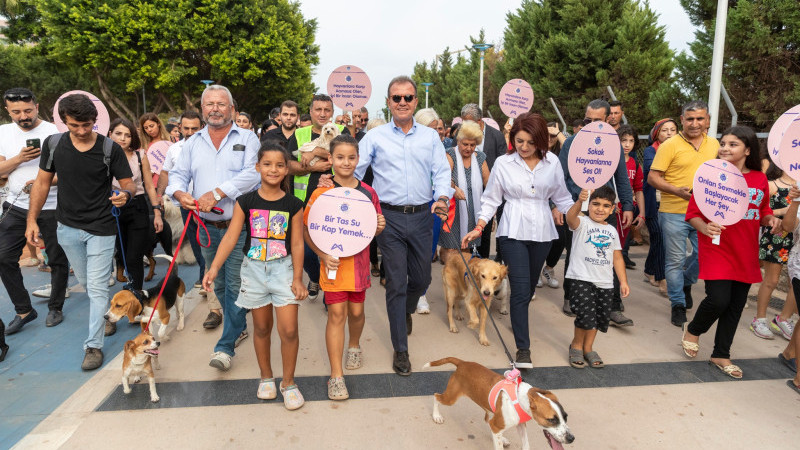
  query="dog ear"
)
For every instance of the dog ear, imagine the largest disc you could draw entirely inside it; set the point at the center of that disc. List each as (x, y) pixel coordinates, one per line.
(134, 308)
(129, 346)
(504, 271)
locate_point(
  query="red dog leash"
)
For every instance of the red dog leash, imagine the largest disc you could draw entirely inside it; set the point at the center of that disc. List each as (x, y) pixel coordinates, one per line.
(200, 224)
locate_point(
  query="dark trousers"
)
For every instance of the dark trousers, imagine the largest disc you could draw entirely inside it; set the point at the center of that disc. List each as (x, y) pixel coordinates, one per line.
(406, 247)
(558, 245)
(137, 239)
(486, 241)
(524, 260)
(191, 233)
(2, 333)
(12, 241)
(311, 264)
(616, 302)
(497, 216)
(654, 264)
(724, 302)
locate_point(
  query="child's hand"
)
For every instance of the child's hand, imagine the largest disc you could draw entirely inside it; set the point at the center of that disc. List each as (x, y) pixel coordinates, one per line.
(713, 229)
(299, 290)
(330, 262)
(381, 224)
(794, 192)
(208, 279)
(584, 195)
(624, 290)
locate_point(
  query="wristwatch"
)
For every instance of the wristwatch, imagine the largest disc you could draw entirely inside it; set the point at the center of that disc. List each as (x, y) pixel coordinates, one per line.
(445, 200)
(217, 197)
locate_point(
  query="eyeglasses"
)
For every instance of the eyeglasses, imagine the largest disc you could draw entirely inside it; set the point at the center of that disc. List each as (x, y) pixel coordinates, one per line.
(407, 98)
(587, 121)
(215, 105)
(18, 97)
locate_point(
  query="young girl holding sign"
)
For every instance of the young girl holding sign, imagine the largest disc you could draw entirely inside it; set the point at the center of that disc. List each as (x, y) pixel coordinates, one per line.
(272, 270)
(345, 294)
(730, 267)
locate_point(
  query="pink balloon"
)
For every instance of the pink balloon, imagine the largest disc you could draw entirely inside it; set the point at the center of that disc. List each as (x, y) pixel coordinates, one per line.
(777, 131)
(349, 87)
(594, 155)
(156, 154)
(721, 192)
(457, 120)
(342, 222)
(516, 97)
(103, 120)
(789, 149)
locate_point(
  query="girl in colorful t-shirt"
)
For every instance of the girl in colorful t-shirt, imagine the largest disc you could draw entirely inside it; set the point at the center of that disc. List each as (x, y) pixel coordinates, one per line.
(272, 270)
(730, 267)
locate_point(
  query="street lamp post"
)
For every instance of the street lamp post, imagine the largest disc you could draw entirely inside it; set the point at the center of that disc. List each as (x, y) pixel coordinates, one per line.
(482, 48)
(427, 85)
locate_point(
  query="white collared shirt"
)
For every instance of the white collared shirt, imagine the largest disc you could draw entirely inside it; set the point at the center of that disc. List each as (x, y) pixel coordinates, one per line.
(526, 214)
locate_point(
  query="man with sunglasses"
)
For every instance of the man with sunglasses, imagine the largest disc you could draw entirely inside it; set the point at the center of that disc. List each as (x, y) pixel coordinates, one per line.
(598, 110)
(20, 163)
(409, 162)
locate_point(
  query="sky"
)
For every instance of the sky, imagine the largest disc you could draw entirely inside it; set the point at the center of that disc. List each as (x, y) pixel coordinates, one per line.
(386, 40)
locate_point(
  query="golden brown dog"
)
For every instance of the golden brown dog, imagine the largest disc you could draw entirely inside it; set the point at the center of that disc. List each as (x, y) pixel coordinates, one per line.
(476, 382)
(136, 362)
(458, 286)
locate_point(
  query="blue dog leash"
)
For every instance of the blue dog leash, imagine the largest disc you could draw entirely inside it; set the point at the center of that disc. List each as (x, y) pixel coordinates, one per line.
(115, 211)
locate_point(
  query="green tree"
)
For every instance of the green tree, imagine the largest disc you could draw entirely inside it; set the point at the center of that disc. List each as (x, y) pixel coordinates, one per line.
(761, 68)
(571, 49)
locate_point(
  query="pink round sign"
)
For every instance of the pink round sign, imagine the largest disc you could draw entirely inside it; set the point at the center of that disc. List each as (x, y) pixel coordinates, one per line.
(342, 222)
(789, 149)
(457, 120)
(156, 154)
(349, 87)
(516, 97)
(777, 131)
(721, 192)
(491, 122)
(594, 155)
(103, 120)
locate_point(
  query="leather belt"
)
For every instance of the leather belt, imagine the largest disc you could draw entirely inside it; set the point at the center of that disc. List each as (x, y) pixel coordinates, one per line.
(220, 224)
(405, 209)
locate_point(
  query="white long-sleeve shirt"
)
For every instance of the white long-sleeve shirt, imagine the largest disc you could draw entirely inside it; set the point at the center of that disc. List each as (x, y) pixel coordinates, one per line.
(526, 214)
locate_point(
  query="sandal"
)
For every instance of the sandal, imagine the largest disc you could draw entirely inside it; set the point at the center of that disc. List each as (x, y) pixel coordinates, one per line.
(354, 359)
(794, 387)
(266, 389)
(576, 358)
(594, 360)
(337, 390)
(292, 398)
(729, 370)
(375, 272)
(687, 345)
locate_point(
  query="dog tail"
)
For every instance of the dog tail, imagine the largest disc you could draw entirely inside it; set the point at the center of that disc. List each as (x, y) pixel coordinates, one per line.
(448, 360)
(169, 259)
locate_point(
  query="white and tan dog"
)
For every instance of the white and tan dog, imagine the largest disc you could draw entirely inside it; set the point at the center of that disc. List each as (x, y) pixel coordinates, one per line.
(477, 382)
(137, 362)
(328, 132)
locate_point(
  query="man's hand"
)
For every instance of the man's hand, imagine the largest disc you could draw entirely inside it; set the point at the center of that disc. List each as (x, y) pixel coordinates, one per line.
(206, 202)
(381, 224)
(684, 193)
(186, 201)
(440, 209)
(28, 154)
(32, 234)
(120, 199)
(627, 218)
(306, 157)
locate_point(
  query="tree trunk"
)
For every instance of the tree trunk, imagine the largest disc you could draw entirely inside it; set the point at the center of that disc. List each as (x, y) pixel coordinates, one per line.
(113, 102)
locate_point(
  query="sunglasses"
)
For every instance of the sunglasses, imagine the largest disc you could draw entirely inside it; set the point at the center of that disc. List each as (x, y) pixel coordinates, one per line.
(407, 98)
(18, 98)
(587, 121)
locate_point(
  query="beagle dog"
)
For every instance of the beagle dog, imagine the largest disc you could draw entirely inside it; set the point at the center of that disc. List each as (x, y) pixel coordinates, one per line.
(136, 362)
(132, 303)
(504, 412)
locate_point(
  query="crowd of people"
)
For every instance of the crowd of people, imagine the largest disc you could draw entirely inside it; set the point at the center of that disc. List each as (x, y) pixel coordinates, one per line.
(513, 183)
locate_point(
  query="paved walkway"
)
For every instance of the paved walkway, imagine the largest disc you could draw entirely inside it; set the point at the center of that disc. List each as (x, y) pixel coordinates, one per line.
(648, 395)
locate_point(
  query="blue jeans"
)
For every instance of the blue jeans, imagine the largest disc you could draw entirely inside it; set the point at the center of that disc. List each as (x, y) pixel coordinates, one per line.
(679, 269)
(226, 287)
(91, 258)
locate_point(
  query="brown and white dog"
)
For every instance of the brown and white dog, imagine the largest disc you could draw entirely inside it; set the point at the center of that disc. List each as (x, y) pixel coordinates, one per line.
(491, 278)
(476, 382)
(328, 132)
(136, 363)
(130, 303)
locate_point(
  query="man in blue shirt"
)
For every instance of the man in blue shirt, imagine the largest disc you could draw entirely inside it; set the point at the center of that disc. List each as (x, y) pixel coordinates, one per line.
(408, 162)
(220, 160)
(598, 110)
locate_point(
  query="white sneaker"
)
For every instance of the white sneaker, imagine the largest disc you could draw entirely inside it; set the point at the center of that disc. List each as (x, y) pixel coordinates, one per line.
(549, 277)
(781, 327)
(44, 291)
(221, 361)
(760, 328)
(422, 306)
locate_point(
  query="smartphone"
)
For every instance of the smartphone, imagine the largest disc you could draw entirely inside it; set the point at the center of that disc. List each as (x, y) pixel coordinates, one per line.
(35, 143)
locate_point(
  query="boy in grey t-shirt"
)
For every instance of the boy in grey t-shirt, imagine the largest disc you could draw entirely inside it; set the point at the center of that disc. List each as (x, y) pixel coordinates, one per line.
(596, 254)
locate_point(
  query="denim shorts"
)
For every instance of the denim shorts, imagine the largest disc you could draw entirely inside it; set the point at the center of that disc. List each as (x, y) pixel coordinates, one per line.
(266, 283)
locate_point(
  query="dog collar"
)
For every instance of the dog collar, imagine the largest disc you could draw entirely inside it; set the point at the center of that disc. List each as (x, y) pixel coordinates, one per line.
(509, 384)
(136, 293)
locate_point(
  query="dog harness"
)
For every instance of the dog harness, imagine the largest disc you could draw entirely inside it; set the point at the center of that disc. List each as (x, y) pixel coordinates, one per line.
(509, 384)
(136, 293)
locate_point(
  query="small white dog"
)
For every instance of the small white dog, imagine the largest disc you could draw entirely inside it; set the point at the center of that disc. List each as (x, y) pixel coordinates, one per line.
(329, 131)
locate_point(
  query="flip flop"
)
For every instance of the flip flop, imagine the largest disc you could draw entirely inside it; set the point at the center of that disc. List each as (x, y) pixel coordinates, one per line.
(576, 358)
(794, 387)
(729, 369)
(595, 362)
(790, 363)
(375, 272)
(687, 345)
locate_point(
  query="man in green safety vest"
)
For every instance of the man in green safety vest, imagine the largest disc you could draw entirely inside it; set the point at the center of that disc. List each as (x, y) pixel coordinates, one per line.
(306, 178)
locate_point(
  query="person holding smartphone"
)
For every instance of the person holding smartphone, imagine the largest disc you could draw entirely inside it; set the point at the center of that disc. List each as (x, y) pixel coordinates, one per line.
(20, 147)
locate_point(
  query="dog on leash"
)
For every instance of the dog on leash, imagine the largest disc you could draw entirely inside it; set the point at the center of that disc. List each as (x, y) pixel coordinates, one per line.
(137, 361)
(504, 412)
(490, 277)
(328, 132)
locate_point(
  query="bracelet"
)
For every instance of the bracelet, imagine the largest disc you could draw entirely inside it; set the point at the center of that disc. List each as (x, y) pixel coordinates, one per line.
(479, 228)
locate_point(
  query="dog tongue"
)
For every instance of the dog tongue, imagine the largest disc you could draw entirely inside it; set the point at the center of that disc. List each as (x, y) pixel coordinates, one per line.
(554, 444)
(152, 352)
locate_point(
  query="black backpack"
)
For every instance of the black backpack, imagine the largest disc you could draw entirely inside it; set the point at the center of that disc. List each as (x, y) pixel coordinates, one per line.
(107, 145)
